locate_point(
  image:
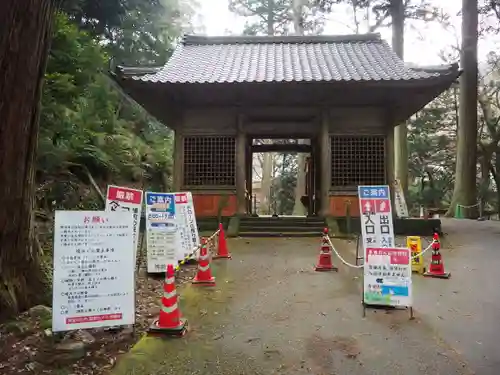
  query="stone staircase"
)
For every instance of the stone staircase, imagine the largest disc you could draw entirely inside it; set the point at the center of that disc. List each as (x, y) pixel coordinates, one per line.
(283, 226)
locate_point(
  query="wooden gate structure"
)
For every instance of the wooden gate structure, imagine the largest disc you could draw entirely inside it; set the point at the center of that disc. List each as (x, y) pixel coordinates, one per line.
(344, 93)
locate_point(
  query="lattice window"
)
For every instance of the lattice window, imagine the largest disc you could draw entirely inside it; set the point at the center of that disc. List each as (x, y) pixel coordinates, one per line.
(358, 160)
(209, 161)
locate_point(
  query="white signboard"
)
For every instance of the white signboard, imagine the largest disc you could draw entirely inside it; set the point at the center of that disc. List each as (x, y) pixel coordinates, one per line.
(186, 222)
(376, 216)
(387, 277)
(400, 201)
(124, 199)
(163, 237)
(93, 270)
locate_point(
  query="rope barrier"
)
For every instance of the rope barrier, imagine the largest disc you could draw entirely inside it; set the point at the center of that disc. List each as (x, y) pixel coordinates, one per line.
(194, 250)
(362, 265)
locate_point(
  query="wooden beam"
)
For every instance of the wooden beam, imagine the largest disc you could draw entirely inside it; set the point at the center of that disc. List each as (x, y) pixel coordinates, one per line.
(281, 148)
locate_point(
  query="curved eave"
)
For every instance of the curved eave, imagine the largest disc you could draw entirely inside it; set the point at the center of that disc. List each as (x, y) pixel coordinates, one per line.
(164, 100)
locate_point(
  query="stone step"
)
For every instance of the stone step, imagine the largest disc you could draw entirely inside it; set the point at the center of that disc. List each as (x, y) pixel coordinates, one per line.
(277, 234)
(282, 224)
(280, 228)
(283, 218)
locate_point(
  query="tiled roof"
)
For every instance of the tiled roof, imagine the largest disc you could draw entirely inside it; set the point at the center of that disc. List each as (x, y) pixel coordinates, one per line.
(367, 57)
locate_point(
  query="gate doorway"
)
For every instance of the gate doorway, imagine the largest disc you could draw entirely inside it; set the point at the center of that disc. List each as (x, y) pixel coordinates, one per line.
(282, 177)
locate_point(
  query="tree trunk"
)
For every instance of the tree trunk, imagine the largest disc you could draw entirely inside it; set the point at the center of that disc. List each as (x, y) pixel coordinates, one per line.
(270, 17)
(25, 33)
(265, 185)
(300, 189)
(465, 190)
(397, 11)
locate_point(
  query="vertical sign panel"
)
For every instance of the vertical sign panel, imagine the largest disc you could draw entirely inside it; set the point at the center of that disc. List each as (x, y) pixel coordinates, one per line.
(376, 216)
(163, 239)
(119, 198)
(387, 270)
(93, 270)
(414, 243)
(387, 277)
(186, 223)
(400, 201)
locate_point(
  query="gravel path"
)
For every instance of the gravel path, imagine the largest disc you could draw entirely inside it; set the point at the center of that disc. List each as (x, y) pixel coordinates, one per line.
(270, 313)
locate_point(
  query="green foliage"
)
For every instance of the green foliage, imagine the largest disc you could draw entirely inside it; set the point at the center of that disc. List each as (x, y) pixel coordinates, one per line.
(275, 17)
(283, 187)
(89, 131)
(432, 141)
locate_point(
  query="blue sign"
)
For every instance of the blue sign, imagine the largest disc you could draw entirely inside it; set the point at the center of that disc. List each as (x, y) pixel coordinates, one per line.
(374, 192)
(164, 202)
(396, 291)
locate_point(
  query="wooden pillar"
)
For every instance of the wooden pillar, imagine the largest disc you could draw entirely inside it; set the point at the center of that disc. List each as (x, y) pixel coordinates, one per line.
(325, 165)
(390, 158)
(241, 165)
(178, 161)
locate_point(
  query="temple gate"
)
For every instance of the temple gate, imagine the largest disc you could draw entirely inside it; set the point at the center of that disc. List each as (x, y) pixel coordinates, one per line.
(343, 93)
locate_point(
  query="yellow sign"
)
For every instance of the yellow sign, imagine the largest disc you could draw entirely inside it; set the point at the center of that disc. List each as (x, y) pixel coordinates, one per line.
(414, 243)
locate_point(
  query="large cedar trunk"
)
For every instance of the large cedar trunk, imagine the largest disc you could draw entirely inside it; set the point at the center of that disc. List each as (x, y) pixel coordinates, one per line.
(397, 11)
(25, 31)
(465, 189)
(300, 189)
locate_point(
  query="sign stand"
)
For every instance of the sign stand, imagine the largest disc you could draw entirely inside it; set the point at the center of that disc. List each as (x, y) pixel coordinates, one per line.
(358, 258)
(386, 268)
(382, 307)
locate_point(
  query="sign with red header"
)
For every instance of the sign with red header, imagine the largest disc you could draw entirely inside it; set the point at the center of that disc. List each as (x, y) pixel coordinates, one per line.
(124, 199)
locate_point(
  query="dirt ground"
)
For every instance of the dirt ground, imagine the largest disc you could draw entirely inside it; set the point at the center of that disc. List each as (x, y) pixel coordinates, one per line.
(27, 345)
(270, 313)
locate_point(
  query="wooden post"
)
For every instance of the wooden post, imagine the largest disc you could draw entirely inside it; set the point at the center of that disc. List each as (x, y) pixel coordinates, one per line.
(390, 174)
(241, 167)
(178, 161)
(325, 165)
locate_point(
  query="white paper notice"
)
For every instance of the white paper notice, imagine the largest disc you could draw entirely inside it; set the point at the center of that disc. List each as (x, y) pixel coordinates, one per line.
(125, 199)
(93, 270)
(186, 223)
(163, 237)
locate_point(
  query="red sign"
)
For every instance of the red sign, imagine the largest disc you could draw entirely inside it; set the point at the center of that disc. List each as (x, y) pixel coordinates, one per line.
(181, 198)
(397, 256)
(121, 194)
(383, 206)
(93, 318)
(367, 205)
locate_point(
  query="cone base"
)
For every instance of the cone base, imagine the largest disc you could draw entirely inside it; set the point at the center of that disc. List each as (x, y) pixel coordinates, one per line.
(178, 331)
(320, 268)
(444, 275)
(209, 282)
(228, 256)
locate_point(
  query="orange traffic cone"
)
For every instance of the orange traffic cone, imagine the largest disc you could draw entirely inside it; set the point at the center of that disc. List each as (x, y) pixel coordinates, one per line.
(170, 322)
(222, 251)
(204, 275)
(325, 255)
(436, 268)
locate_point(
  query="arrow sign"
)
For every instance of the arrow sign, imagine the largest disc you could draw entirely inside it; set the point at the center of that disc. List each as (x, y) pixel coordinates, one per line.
(367, 205)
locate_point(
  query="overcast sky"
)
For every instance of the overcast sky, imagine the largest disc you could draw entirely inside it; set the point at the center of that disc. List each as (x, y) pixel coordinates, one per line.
(422, 45)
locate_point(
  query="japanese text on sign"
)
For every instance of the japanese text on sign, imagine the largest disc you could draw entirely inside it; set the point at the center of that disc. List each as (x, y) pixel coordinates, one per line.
(93, 270)
(387, 277)
(163, 237)
(376, 216)
(186, 222)
(126, 200)
(414, 243)
(399, 200)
